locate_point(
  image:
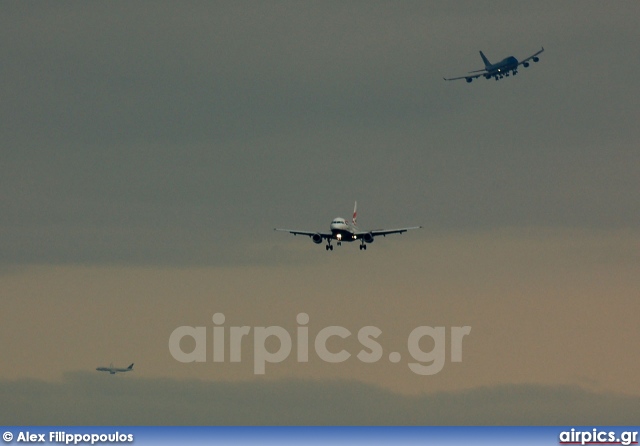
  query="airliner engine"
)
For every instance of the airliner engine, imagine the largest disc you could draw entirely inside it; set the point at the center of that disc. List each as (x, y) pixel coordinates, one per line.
(317, 238)
(368, 237)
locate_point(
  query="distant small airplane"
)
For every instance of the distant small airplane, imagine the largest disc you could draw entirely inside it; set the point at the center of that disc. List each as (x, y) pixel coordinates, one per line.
(500, 69)
(113, 370)
(344, 231)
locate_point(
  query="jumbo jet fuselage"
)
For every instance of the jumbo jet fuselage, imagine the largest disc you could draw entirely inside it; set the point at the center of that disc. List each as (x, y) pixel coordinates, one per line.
(505, 65)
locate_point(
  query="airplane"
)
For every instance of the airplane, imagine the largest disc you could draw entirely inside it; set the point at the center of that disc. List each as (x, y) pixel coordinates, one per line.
(500, 69)
(345, 231)
(113, 370)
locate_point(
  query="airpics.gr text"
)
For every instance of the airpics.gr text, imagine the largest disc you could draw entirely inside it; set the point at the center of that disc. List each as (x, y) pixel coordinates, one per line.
(426, 362)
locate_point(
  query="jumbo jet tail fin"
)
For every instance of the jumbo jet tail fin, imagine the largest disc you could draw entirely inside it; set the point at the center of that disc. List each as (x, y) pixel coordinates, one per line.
(130, 367)
(355, 214)
(487, 64)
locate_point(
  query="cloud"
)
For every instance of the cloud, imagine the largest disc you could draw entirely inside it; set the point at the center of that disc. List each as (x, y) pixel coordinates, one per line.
(91, 399)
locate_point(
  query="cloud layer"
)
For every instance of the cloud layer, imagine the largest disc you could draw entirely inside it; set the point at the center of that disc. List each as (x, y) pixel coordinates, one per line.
(87, 399)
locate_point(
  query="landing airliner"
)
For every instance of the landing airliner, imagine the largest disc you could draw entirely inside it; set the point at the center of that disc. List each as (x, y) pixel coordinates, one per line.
(500, 69)
(113, 370)
(345, 231)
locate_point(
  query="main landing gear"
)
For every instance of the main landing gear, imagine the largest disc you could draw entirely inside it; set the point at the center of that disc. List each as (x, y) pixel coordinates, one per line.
(329, 246)
(502, 75)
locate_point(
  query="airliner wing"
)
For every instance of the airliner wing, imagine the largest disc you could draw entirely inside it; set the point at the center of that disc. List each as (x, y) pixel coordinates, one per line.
(530, 57)
(385, 232)
(324, 235)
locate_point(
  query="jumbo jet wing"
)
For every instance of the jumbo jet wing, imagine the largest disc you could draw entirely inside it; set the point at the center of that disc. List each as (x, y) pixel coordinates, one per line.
(530, 57)
(468, 76)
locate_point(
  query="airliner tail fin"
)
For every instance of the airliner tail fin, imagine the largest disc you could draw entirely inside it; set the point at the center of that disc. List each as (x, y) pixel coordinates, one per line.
(355, 213)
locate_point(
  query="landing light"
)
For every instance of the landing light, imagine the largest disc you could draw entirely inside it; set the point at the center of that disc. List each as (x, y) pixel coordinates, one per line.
(339, 236)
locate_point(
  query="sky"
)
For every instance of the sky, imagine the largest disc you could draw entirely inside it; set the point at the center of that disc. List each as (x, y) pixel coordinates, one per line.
(149, 149)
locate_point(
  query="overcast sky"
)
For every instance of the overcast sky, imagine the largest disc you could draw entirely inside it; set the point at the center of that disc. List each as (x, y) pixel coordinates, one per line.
(150, 148)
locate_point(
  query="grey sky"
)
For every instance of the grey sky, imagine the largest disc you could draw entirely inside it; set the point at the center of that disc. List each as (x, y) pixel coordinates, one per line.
(131, 124)
(149, 149)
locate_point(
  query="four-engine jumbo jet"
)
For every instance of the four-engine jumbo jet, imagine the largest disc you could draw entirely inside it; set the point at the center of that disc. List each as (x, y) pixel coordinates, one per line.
(344, 231)
(500, 69)
(113, 370)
